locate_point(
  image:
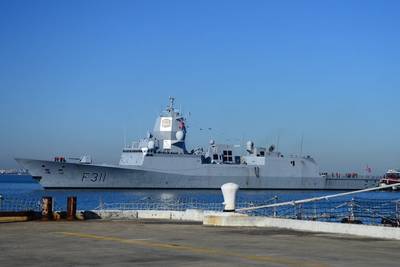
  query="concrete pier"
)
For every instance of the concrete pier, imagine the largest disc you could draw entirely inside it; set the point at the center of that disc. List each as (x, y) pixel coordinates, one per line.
(177, 243)
(370, 231)
(213, 218)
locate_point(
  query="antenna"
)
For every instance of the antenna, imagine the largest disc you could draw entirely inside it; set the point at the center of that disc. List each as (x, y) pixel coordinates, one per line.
(124, 136)
(301, 145)
(243, 142)
(277, 141)
(171, 103)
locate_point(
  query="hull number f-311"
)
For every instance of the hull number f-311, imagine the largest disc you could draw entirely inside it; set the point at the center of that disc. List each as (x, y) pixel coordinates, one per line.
(94, 177)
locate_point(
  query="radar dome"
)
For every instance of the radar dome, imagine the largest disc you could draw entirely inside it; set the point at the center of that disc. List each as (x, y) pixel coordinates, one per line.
(249, 146)
(212, 142)
(180, 135)
(150, 144)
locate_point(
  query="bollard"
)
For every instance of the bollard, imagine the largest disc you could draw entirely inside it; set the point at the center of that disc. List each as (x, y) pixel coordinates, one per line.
(71, 208)
(229, 192)
(47, 208)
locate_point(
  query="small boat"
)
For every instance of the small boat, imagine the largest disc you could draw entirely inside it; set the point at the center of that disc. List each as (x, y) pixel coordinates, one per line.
(392, 176)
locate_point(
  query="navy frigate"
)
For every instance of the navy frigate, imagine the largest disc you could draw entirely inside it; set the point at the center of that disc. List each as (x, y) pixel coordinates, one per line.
(162, 161)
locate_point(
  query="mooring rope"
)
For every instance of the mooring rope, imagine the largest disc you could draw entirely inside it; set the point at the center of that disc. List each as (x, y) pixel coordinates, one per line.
(294, 202)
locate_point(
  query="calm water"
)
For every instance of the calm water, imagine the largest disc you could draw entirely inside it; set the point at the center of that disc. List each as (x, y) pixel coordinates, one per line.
(26, 188)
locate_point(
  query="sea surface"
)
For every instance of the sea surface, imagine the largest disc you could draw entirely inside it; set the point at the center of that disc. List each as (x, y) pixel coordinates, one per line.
(24, 187)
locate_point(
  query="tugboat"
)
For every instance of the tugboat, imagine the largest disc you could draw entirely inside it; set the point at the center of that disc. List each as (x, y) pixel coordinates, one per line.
(162, 161)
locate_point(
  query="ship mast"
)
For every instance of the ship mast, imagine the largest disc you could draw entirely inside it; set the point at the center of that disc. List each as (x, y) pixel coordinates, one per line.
(170, 108)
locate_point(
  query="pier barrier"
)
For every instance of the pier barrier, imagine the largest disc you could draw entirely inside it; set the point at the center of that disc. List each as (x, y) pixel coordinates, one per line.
(229, 191)
(189, 215)
(47, 208)
(71, 208)
(18, 216)
(370, 231)
(298, 224)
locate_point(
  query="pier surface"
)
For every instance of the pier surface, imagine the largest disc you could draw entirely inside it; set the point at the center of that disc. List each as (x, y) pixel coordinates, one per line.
(155, 243)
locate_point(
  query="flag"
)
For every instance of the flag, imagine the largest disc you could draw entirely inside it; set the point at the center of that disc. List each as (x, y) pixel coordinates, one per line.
(368, 169)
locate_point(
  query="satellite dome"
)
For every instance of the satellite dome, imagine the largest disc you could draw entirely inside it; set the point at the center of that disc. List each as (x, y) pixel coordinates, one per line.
(180, 135)
(150, 144)
(212, 142)
(249, 146)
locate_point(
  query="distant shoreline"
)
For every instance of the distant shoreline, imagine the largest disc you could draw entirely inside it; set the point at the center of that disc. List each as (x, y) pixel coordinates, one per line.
(14, 174)
(16, 178)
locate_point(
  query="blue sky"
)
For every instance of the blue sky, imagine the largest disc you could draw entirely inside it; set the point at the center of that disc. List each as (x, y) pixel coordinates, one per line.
(75, 74)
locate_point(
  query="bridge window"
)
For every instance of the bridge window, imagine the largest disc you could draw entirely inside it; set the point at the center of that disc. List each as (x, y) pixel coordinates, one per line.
(237, 159)
(228, 156)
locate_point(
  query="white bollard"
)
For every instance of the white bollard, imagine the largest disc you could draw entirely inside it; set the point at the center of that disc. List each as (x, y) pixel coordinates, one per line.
(229, 192)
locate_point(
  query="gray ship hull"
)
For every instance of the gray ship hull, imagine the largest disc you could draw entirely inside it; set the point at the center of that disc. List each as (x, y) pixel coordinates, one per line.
(52, 174)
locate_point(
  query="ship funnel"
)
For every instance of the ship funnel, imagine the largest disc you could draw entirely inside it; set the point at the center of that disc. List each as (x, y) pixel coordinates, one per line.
(229, 191)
